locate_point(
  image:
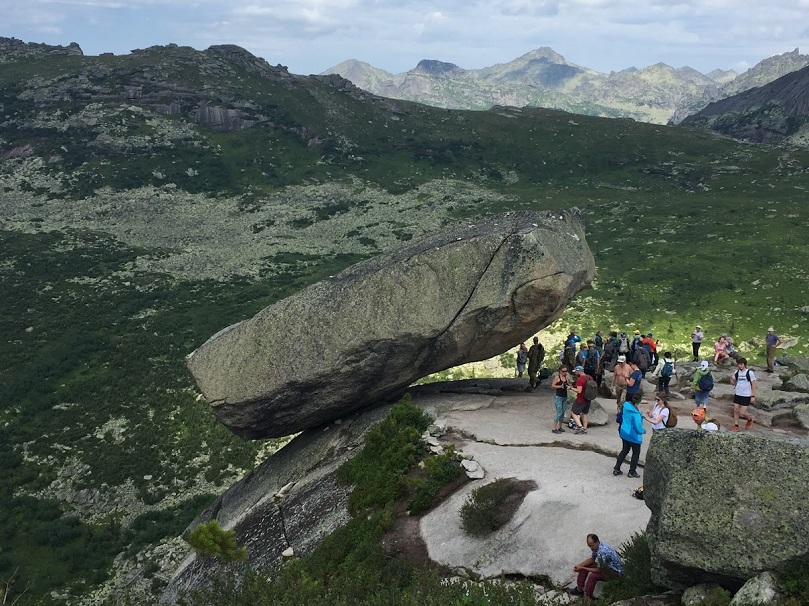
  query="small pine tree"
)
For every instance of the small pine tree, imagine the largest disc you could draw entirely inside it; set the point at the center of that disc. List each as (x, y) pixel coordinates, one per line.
(211, 540)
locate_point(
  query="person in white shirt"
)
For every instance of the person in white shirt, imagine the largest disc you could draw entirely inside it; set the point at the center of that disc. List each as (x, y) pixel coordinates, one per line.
(744, 382)
(659, 415)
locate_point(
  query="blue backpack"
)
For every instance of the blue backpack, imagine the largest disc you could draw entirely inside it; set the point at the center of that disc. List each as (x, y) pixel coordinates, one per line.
(705, 382)
(668, 367)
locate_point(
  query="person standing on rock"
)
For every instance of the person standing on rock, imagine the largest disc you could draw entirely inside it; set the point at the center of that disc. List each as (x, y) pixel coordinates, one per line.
(631, 433)
(581, 406)
(702, 394)
(536, 355)
(522, 359)
(663, 372)
(773, 342)
(603, 563)
(633, 383)
(560, 383)
(659, 415)
(696, 340)
(744, 383)
(620, 374)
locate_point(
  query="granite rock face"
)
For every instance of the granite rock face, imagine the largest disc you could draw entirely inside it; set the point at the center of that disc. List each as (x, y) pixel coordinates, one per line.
(460, 295)
(725, 507)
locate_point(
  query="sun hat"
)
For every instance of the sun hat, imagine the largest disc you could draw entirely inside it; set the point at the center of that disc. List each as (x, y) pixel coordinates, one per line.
(770, 329)
(704, 364)
(637, 332)
(699, 327)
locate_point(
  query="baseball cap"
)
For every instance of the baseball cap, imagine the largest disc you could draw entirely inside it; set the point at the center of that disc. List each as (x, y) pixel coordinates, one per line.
(649, 335)
(770, 329)
(703, 364)
(637, 332)
(622, 358)
(699, 327)
(578, 368)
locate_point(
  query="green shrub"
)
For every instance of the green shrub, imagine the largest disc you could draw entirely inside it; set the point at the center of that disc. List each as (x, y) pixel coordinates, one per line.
(391, 449)
(211, 540)
(439, 471)
(794, 580)
(637, 578)
(486, 508)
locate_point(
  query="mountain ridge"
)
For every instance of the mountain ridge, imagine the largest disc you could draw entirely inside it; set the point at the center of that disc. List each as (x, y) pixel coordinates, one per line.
(657, 93)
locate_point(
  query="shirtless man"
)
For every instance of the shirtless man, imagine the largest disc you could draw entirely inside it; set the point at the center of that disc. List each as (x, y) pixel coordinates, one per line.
(620, 374)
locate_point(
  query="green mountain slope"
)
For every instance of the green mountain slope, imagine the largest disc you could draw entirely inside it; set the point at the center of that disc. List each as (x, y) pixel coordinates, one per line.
(148, 200)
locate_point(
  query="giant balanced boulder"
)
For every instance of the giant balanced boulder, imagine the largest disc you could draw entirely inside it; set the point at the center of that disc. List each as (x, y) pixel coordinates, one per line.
(462, 294)
(725, 507)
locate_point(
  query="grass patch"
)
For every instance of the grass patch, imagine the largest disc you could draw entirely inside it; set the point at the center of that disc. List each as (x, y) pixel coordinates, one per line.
(489, 507)
(637, 578)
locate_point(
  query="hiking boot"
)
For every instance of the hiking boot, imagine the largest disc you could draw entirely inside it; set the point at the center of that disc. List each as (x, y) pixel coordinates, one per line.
(575, 591)
(561, 430)
(556, 431)
(734, 428)
(632, 474)
(617, 472)
(749, 424)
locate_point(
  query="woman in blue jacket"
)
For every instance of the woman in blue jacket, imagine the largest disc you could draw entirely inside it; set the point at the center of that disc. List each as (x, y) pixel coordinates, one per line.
(631, 433)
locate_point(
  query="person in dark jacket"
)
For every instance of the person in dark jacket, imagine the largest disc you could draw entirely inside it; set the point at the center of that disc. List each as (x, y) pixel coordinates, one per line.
(536, 355)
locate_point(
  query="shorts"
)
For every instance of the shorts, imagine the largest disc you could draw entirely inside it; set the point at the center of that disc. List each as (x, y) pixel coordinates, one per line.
(742, 400)
(702, 397)
(580, 408)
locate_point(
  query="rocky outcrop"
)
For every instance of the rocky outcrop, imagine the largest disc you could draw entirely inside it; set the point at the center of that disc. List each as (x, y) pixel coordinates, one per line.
(12, 49)
(463, 294)
(725, 507)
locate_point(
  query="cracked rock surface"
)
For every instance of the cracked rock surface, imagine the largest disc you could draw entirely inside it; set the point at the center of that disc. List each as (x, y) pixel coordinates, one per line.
(462, 294)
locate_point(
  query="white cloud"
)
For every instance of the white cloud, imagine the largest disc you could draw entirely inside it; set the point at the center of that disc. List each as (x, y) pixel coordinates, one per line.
(312, 35)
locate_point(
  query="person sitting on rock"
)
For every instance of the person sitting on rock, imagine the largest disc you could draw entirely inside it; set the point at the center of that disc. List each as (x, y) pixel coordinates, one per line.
(720, 350)
(603, 563)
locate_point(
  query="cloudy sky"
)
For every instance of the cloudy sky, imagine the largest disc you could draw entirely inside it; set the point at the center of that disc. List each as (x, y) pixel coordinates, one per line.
(310, 36)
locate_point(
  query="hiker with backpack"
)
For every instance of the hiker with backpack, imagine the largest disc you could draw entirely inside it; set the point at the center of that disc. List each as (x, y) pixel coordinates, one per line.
(744, 383)
(585, 384)
(702, 382)
(570, 348)
(623, 346)
(592, 362)
(663, 373)
(660, 416)
(642, 358)
(610, 351)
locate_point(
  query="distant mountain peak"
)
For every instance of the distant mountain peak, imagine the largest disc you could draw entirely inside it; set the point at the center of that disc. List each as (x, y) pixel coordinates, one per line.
(435, 68)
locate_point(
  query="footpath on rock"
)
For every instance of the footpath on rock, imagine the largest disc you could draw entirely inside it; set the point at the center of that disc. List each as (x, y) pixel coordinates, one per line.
(507, 431)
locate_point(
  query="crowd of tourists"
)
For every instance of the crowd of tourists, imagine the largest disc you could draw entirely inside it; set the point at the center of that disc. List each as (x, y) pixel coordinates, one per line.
(629, 359)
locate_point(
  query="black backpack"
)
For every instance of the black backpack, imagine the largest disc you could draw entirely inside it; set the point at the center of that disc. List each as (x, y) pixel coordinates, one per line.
(705, 382)
(590, 390)
(591, 363)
